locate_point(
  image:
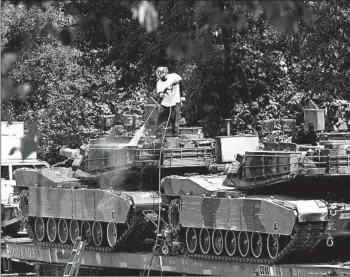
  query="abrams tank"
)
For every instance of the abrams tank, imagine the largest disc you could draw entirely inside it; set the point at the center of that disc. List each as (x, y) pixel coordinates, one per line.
(268, 206)
(297, 175)
(225, 222)
(62, 208)
(92, 198)
(95, 198)
(317, 136)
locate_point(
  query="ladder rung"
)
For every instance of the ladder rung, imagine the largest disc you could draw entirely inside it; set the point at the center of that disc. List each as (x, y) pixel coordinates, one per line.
(75, 258)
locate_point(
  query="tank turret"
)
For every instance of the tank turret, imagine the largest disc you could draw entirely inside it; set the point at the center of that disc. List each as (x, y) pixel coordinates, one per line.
(120, 154)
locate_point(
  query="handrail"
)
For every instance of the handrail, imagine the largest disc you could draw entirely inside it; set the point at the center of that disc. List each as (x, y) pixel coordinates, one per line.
(112, 148)
(303, 162)
(204, 154)
(104, 158)
(268, 165)
(319, 161)
(269, 175)
(272, 154)
(288, 156)
(174, 149)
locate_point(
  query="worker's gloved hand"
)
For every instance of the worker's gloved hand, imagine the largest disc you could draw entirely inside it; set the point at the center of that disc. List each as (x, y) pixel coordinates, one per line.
(161, 95)
(168, 90)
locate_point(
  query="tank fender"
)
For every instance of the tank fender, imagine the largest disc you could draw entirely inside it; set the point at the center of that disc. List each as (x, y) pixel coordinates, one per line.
(26, 177)
(46, 177)
(311, 210)
(165, 186)
(195, 185)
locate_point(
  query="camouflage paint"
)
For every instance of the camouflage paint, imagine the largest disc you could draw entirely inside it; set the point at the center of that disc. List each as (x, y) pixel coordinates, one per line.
(241, 214)
(87, 204)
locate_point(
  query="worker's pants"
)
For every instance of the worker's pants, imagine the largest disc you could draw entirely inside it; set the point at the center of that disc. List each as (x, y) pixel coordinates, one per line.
(173, 120)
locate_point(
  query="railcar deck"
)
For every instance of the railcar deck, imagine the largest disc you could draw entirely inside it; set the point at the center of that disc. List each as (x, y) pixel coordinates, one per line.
(57, 258)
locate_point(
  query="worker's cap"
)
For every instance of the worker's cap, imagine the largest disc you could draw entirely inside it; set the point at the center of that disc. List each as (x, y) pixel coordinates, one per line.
(162, 71)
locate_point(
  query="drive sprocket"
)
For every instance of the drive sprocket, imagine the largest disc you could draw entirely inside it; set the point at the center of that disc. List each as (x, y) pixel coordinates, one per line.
(23, 208)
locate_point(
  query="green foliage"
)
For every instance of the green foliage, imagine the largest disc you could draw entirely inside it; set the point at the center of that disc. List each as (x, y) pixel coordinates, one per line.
(66, 63)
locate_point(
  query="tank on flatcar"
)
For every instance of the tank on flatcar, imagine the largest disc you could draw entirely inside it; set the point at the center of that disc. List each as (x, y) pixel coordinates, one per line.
(61, 208)
(96, 197)
(269, 205)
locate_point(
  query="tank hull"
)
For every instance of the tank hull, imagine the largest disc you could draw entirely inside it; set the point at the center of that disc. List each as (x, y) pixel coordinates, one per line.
(59, 208)
(108, 220)
(252, 223)
(246, 214)
(209, 213)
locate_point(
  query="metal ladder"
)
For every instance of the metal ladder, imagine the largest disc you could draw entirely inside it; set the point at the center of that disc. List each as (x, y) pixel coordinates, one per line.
(73, 265)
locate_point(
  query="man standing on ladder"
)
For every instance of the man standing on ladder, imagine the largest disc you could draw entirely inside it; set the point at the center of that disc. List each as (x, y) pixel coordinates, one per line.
(168, 89)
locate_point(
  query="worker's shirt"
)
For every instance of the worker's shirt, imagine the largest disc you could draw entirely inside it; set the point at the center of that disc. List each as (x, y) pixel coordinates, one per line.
(172, 94)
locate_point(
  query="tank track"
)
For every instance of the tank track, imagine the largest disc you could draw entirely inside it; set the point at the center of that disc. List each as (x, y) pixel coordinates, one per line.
(135, 228)
(297, 243)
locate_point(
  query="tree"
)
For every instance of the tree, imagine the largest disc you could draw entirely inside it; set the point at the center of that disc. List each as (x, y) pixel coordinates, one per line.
(244, 60)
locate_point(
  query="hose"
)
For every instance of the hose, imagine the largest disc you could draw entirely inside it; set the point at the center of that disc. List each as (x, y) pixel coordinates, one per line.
(159, 188)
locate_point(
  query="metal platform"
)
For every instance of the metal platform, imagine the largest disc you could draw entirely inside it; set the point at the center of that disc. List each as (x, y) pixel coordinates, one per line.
(174, 157)
(165, 264)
